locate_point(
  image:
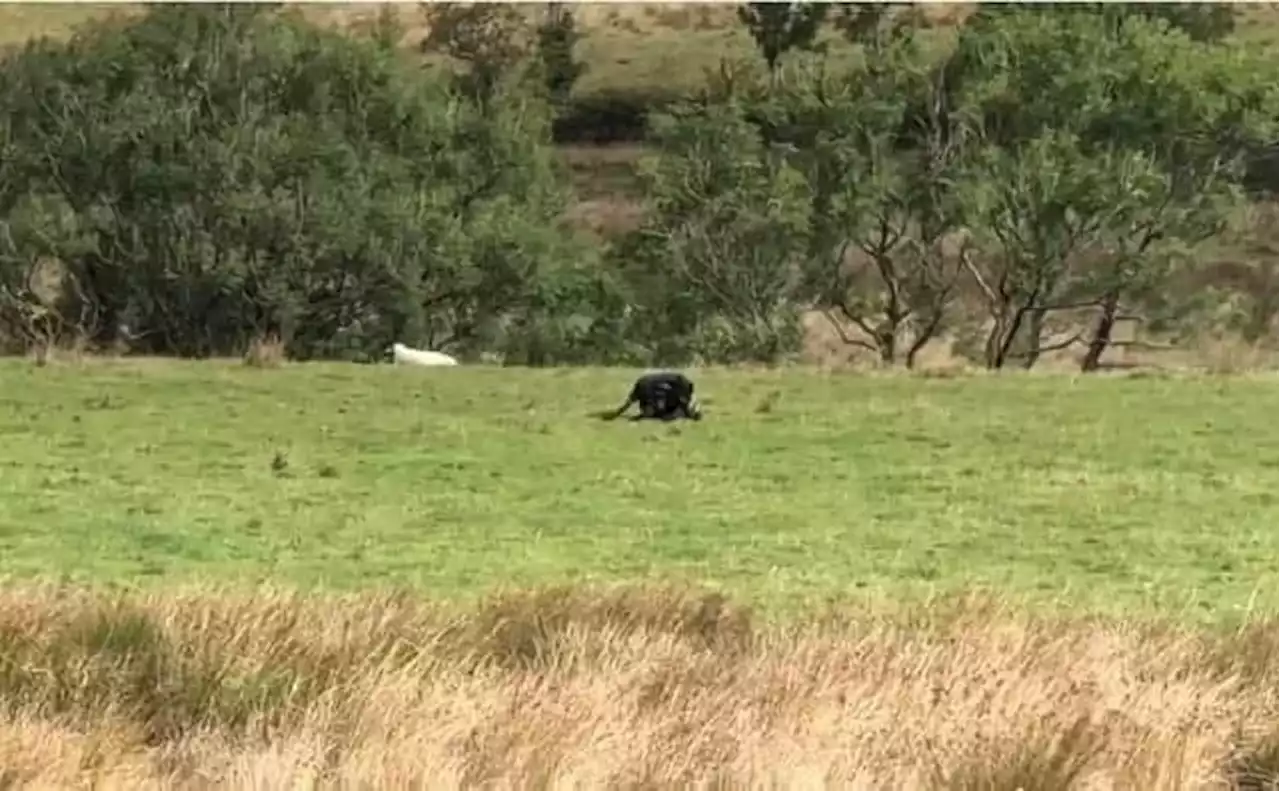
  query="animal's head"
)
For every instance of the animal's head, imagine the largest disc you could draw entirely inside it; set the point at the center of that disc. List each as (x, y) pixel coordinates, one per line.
(694, 409)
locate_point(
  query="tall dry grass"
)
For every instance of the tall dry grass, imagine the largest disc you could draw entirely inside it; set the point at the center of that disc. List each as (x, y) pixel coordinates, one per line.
(265, 351)
(630, 688)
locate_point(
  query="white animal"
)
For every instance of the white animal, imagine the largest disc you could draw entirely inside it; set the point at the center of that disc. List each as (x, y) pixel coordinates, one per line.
(403, 355)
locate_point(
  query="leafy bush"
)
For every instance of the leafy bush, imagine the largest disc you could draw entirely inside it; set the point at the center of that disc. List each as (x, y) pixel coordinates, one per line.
(208, 174)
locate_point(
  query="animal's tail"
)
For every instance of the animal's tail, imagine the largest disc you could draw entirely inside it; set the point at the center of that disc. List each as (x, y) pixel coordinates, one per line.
(612, 414)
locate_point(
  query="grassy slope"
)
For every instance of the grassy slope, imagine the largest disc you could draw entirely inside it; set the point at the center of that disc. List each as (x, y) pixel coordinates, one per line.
(1113, 492)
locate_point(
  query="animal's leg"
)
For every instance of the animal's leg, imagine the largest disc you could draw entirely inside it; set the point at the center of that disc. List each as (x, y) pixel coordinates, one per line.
(650, 407)
(646, 412)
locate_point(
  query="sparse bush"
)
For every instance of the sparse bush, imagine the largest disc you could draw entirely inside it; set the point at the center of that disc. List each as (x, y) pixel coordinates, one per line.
(489, 39)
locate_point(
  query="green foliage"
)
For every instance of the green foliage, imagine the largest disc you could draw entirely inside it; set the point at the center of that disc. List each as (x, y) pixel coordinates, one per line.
(557, 35)
(208, 175)
(875, 25)
(878, 257)
(717, 262)
(1132, 82)
(1210, 22)
(491, 39)
(1116, 141)
(201, 177)
(1036, 208)
(778, 28)
(387, 28)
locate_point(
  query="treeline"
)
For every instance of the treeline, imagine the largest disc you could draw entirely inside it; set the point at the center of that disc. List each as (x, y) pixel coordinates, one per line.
(204, 176)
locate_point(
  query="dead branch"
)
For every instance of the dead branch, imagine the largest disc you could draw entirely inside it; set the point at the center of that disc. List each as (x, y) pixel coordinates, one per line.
(1050, 347)
(1148, 345)
(844, 336)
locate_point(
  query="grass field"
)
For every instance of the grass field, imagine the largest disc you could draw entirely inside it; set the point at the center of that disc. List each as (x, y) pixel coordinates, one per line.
(1111, 492)
(246, 519)
(330, 576)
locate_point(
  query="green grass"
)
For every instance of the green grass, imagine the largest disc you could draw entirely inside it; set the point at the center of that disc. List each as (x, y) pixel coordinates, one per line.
(1103, 492)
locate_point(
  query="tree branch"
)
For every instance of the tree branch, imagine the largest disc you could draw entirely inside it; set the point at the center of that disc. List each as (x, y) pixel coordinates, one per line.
(1050, 347)
(844, 336)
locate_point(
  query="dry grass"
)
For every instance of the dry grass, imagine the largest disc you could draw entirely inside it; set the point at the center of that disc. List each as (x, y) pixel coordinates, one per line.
(1219, 355)
(47, 351)
(267, 351)
(624, 688)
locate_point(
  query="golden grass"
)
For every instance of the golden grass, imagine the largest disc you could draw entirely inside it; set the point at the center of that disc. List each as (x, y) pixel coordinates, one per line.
(620, 688)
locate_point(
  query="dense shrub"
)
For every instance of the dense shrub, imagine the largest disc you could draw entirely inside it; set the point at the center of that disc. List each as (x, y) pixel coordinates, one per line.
(211, 174)
(201, 178)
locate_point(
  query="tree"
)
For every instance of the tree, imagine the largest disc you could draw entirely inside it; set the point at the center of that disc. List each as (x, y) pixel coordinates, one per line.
(490, 39)
(885, 226)
(778, 28)
(1156, 121)
(557, 37)
(204, 177)
(387, 29)
(1035, 208)
(716, 265)
(1163, 214)
(876, 25)
(36, 228)
(1074, 230)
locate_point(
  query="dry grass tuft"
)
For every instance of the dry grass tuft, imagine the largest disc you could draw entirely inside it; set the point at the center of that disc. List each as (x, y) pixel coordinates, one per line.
(265, 352)
(627, 687)
(51, 351)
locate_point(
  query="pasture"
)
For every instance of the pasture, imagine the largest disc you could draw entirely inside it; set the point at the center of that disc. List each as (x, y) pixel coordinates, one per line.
(1150, 500)
(801, 487)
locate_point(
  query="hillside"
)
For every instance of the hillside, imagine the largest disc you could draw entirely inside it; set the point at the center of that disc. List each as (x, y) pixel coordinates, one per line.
(626, 46)
(644, 49)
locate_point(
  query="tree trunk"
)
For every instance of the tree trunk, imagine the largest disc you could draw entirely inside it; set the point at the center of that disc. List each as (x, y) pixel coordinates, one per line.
(1101, 333)
(923, 338)
(1003, 336)
(993, 356)
(887, 343)
(1031, 340)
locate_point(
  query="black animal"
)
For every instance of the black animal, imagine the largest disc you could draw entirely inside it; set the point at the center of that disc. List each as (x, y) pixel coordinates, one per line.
(661, 396)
